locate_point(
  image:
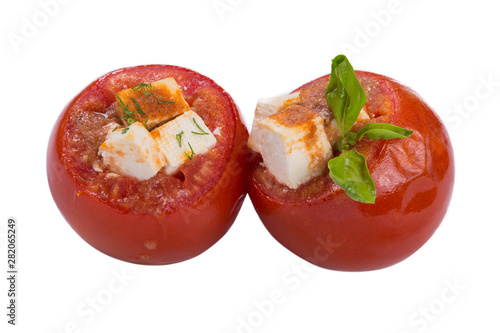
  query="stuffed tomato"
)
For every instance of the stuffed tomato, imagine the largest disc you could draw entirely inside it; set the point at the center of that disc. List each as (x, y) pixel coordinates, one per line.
(148, 164)
(303, 156)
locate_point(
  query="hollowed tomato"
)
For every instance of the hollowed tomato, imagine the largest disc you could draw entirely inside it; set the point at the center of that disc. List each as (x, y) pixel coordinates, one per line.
(413, 178)
(164, 219)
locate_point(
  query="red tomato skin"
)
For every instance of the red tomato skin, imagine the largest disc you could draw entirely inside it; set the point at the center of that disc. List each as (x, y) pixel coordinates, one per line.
(145, 238)
(337, 233)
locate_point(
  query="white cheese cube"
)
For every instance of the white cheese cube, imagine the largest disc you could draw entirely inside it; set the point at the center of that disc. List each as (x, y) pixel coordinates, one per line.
(332, 131)
(159, 102)
(265, 108)
(363, 116)
(295, 147)
(131, 151)
(183, 138)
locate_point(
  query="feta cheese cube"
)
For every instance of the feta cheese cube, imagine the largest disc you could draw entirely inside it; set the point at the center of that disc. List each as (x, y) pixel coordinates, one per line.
(295, 147)
(183, 138)
(131, 151)
(363, 116)
(158, 102)
(332, 131)
(265, 108)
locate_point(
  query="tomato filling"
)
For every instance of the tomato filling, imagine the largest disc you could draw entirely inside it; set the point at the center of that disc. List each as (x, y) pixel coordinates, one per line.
(378, 108)
(94, 112)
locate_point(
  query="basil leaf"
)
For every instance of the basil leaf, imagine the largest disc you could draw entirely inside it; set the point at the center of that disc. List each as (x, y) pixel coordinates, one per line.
(377, 131)
(344, 95)
(350, 172)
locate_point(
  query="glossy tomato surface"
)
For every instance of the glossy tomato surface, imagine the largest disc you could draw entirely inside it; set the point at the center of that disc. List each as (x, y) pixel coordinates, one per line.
(413, 178)
(165, 219)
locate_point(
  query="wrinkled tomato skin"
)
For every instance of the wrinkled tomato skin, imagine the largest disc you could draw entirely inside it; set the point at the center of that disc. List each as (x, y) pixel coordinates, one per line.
(335, 232)
(178, 236)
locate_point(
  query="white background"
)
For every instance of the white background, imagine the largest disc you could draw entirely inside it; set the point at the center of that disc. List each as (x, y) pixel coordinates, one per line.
(445, 50)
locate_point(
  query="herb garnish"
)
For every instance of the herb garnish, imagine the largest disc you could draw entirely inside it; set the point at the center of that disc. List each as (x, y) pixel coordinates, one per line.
(345, 98)
(132, 116)
(141, 113)
(145, 88)
(128, 115)
(125, 130)
(202, 132)
(163, 102)
(179, 138)
(190, 156)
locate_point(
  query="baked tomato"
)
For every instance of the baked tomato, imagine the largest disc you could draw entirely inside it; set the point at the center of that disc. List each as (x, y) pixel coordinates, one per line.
(413, 178)
(124, 199)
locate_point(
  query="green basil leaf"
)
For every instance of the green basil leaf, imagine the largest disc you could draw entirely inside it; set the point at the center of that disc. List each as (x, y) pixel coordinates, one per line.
(377, 131)
(350, 172)
(344, 95)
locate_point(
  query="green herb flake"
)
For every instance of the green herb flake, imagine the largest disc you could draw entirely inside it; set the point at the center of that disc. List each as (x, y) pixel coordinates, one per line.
(128, 115)
(179, 138)
(121, 104)
(145, 88)
(163, 102)
(141, 113)
(190, 156)
(202, 132)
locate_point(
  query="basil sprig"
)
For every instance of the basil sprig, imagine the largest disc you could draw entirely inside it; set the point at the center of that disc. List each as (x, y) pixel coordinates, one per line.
(345, 98)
